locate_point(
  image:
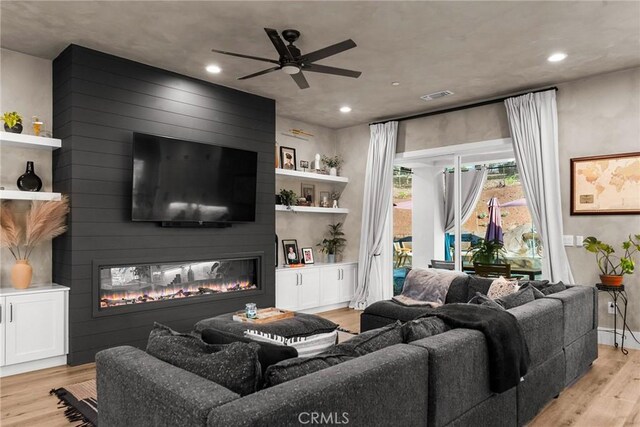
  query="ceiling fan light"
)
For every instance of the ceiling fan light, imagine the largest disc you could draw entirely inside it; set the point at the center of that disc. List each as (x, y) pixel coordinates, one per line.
(291, 69)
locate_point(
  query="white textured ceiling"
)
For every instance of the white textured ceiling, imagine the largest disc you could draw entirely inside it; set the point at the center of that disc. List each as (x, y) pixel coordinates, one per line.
(476, 49)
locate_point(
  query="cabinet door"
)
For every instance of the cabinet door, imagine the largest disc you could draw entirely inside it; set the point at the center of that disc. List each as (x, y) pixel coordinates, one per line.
(330, 285)
(34, 326)
(287, 289)
(2, 326)
(309, 289)
(348, 282)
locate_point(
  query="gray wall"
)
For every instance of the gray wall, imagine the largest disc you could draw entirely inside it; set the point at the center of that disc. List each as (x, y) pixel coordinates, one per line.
(597, 115)
(25, 87)
(99, 100)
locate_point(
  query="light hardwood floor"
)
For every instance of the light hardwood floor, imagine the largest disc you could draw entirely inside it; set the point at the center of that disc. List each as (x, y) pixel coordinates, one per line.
(607, 396)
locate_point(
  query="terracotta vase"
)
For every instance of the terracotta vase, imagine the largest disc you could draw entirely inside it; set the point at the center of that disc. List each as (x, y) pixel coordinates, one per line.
(21, 274)
(611, 280)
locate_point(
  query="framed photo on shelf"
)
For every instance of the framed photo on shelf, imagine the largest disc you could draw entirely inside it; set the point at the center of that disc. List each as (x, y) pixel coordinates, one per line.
(288, 158)
(308, 191)
(324, 200)
(307, 256)
(291, 253)
(606, 185)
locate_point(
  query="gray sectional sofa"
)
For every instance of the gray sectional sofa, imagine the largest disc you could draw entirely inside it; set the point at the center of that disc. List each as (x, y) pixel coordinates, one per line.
(442, 380)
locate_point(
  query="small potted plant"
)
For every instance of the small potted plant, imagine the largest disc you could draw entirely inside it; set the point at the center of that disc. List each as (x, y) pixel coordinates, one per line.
(334, 243)
(288, 198)
(487, 252)
(12, 122)
(613, 267)
(333, 163)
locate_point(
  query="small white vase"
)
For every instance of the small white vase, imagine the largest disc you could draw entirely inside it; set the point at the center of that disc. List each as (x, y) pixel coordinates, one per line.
(331, 258)
(333, 172)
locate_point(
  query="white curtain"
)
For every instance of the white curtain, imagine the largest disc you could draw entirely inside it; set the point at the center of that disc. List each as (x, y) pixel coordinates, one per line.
(533, 121)
(375, 276)
(472, 182)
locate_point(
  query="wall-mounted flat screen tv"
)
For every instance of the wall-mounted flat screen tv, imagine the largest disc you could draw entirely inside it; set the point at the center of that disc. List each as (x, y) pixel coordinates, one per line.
(177, 181)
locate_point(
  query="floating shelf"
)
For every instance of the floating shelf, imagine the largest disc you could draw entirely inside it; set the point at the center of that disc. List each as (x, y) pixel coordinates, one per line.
(28, 195)
(19, 140)
(312, 209)
(311, 176)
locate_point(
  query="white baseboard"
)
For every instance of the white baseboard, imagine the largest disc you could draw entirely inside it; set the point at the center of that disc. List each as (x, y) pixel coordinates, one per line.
(325, 308)
(34, 365)
(605, 337)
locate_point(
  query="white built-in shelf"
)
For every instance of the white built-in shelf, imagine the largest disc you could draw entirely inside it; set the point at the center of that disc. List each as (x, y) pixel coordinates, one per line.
(33, 289)
(311, 176)
(28, 195)
(312, 209)
(8, 139)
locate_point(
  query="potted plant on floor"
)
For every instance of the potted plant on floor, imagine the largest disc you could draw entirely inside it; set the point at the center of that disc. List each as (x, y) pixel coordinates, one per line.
(613, 267)
(12, 122)
(334, 243)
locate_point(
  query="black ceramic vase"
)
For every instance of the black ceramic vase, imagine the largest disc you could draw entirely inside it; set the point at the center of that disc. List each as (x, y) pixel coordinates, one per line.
(17, 128)
(29, 181)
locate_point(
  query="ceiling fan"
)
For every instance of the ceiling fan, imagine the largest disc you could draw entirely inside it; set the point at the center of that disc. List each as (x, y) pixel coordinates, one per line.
(292, 61)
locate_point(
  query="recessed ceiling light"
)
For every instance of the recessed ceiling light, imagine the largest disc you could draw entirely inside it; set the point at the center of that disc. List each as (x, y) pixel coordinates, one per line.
(395, 83)
(213, 69)
(345, 109)
(557, 57)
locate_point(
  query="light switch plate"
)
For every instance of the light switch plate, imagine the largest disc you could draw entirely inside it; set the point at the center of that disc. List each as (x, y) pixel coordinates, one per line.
(579, 240)
(567, 240)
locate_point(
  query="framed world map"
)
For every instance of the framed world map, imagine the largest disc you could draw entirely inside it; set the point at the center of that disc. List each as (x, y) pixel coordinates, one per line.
(605, 185)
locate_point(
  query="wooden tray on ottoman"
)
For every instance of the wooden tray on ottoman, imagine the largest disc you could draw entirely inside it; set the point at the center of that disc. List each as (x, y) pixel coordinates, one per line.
(265, 315)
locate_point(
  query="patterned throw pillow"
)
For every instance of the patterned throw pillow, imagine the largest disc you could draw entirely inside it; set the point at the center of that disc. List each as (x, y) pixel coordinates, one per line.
(306, 346)
(501, 287)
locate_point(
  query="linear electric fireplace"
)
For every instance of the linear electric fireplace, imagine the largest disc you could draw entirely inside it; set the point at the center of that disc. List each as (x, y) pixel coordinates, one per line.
(142, 286)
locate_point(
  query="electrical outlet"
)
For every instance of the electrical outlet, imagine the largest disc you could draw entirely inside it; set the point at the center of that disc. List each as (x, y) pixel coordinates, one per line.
(611, 308)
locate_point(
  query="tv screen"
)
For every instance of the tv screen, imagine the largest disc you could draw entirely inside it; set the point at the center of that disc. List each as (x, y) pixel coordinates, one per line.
(184, 181)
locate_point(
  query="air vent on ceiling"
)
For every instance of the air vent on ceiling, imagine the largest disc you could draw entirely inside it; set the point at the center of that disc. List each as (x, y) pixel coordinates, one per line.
(436, 95)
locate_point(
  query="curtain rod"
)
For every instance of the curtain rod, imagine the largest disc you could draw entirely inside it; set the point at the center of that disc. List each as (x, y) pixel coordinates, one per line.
(461, 107)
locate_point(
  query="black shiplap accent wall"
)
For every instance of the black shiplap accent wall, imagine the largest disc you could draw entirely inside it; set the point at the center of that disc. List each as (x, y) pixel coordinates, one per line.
(99, 101)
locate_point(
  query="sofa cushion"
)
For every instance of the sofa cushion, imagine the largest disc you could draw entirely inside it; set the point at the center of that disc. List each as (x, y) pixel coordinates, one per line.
(553, 288)
(423, 328)
(268, 354)
(393, 310)
(305, 346)
(486, 301)
(478, 284)
(537, 294)
(370, 341)
(458, 290)
(294, 368)
(578, 304)
(234, 366)
(516, 299)
(301, 325)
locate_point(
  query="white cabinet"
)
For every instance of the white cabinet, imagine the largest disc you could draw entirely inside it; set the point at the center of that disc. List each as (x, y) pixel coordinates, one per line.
(33, 332)
(315, 286)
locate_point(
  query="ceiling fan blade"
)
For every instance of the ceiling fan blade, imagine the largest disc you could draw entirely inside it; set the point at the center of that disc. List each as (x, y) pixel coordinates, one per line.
(259, 73)
(317, 68)
(300, 80)
(329, 51)
(239, 55)
(278, 43)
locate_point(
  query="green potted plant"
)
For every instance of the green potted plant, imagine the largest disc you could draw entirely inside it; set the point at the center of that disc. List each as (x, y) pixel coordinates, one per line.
(613, 267)
(487, 252)
(12, 122)
(333, 163)
(288, 198)
(334, 243)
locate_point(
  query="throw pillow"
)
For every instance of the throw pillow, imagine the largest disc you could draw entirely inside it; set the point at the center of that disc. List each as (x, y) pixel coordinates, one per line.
(538, 284)
(305, 346)
(537, 293)
(294, 368)
(268, 354)
(478, 284)
(234, 366)
(370, 341)
(553, 288)
(423, 328)
(481, 299)
(501, 287)
(518, 298)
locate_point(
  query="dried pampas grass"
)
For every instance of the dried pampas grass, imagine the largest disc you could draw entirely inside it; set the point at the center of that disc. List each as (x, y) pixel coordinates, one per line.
(10, 230)
(45, 221)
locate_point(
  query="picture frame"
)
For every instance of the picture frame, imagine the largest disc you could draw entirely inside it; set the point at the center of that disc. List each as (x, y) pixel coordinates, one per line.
(307, 256)
(304, 164)
(288, 158)
(308, 191)
(290, 251)
(321, 199)
(601, 185)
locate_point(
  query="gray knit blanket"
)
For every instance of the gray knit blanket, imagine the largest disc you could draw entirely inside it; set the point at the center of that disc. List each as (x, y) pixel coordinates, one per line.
(426, 287)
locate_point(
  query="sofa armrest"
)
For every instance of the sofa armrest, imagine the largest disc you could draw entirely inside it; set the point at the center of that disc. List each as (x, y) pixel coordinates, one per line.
(135, 388)
(580, 305)
(386, 387)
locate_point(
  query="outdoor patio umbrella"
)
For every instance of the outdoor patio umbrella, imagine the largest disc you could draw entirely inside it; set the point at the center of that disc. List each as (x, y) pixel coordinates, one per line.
(494, 229)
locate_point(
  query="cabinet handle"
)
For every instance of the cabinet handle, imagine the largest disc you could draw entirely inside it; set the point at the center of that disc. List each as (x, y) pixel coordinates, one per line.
(300, 279)
(341, 274)
(10, 312)
(297, 279)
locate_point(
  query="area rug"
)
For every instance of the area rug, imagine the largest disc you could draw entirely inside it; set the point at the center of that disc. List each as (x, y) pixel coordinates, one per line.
(81, 403)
